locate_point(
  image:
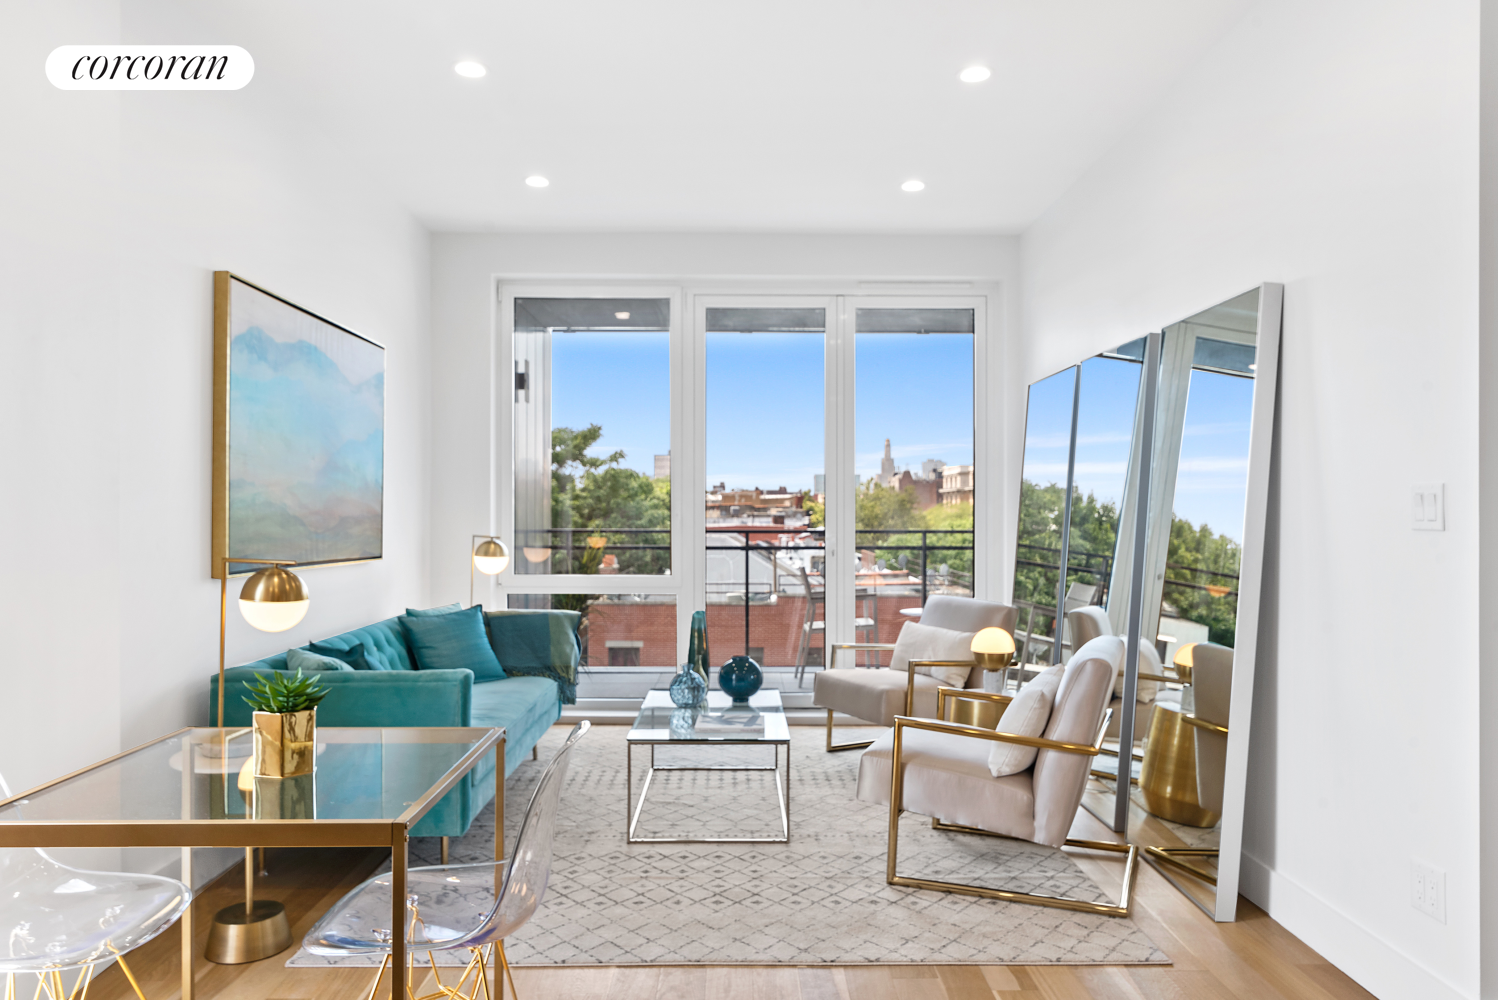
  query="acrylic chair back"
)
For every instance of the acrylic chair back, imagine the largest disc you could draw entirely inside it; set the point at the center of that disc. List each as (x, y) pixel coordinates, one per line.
(530, 864)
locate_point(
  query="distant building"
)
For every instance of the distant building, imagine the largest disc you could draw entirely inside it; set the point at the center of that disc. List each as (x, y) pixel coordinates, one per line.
(663, 466)
(887, 466)
(819, 483)
(756, 507)
(931, 468)
(956, 484)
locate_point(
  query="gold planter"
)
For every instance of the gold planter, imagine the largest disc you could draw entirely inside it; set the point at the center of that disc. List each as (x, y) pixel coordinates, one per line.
(285, 743)
(1167, 777)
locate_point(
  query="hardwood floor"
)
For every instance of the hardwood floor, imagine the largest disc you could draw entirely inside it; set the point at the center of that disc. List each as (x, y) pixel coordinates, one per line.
(1253, 959)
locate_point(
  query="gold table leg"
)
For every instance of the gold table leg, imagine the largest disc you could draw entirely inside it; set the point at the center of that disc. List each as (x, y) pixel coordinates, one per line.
(398, 925)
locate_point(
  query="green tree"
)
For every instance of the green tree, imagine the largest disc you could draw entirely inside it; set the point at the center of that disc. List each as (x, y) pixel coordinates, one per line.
(1195, 555)
(1094, 536)
(596, 496)
(889, 523)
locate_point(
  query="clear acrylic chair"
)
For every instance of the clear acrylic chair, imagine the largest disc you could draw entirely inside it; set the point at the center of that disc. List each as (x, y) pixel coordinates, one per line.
(473, 906)
(61, 921)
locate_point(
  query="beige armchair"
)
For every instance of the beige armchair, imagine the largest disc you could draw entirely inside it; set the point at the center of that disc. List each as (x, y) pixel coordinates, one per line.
(1212, 687)
(943, 772)
(878, 694)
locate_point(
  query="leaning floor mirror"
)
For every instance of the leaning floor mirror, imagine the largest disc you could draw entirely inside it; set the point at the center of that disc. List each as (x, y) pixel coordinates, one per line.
(1142, 507)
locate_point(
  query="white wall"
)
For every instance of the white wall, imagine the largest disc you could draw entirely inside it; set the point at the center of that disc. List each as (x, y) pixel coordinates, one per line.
(114, 212)
(465, 454)
(1332, 147)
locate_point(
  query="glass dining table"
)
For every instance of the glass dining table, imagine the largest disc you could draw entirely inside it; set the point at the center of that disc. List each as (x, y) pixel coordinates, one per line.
(194, 788)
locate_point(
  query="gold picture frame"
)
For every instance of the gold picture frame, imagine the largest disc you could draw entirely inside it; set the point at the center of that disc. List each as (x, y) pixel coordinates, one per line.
(298, 434)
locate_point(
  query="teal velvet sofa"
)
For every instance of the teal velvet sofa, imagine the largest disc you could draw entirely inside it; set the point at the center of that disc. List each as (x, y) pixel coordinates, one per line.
(541, 677)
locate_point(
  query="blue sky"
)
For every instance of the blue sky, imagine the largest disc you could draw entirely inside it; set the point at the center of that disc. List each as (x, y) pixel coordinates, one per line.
(765, 400)
(1212, 475)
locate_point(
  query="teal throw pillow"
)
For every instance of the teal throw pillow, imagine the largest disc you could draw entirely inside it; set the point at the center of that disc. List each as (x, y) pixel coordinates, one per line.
(353, 656)
(446, 609)
(456, 640)
(304, 660)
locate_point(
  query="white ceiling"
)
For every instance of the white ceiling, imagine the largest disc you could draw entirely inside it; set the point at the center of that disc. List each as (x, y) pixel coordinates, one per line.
(784, 115)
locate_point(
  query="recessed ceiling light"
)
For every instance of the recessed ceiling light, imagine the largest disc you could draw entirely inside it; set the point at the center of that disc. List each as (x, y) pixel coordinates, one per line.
(537, 181)
(974, 74)
(470, 69)
(621, 315)
(913, 186)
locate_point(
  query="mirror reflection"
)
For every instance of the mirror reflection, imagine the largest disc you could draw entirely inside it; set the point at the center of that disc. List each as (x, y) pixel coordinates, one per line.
(1080, 515)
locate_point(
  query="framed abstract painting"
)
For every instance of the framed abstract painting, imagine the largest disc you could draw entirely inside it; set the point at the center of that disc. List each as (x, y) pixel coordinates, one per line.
(298, 433)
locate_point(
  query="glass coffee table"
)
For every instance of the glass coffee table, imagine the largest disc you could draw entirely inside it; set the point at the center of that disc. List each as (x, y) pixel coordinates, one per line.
(719, 726)
(185, 790)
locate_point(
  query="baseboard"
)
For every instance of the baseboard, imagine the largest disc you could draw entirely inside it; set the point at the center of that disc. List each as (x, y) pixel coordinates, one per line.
(1375, 964)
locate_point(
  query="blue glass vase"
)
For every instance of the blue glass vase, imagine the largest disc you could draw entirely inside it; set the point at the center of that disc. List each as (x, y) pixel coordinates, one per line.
(688, 689)
(739, 678)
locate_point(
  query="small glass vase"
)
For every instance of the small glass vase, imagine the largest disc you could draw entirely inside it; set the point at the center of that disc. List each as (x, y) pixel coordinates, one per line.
(688, 689)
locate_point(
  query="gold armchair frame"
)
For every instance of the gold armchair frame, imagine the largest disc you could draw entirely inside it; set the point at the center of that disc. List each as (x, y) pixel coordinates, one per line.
(897, 798)
(832, 665)
(909, 685)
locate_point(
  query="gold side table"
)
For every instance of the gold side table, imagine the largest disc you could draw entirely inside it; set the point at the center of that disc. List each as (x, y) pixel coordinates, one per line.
(1167, 778)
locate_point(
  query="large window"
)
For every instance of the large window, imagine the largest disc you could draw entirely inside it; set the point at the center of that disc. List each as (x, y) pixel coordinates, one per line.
(914, 473)
(765, 561)
(592, 435)
(803, 467)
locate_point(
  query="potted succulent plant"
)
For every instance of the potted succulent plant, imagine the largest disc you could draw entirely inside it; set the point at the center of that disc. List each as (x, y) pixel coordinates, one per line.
(285, 723)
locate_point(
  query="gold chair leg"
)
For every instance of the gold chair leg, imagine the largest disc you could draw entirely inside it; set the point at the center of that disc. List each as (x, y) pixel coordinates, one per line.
(835, 747)
(375, 986)
(1131, 871)
(446, 844)
(1172, 856)
(505, 963)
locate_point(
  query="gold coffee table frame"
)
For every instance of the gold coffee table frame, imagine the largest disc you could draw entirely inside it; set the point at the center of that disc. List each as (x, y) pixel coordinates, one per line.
(190, 833)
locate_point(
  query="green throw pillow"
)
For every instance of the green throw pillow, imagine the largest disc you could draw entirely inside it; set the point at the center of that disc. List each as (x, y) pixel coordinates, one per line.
(353, 656)
(456, 640)
(446, 609)
(305, 660)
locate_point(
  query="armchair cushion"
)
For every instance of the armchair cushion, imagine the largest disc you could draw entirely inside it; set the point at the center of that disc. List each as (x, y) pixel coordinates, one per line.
(929, 642)
(1026, 715)
(947, 777)
(874, 695)
(1081, 699)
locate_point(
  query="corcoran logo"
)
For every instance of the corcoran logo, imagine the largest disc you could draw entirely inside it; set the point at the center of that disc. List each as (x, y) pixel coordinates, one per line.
(149, 67)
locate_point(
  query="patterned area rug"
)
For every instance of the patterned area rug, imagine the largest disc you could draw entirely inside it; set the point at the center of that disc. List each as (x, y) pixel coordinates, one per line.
(820, 899)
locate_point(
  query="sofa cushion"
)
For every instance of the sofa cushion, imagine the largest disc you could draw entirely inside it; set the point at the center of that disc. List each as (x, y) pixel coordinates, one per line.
(446, 609)
(306, 660)
(384, 645)
(517, 704)
(873, 694)
(454, 641)
(353, 655)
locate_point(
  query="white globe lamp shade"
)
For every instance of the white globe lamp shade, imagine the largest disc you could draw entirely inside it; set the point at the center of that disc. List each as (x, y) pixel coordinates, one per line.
(491, 557)
(274, 600)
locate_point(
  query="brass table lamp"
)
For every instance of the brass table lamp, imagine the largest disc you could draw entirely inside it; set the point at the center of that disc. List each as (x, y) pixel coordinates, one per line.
(272, 600)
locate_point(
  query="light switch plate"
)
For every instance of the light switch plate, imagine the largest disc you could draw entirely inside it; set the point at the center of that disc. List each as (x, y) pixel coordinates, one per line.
(1428, 506)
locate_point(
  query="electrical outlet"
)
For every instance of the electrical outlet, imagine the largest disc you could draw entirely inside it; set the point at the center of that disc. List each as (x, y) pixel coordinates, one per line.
(1428, 890)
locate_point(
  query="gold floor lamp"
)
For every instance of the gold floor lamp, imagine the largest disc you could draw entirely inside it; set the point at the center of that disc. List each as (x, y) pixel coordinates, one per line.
(272, 600)
(490, 557)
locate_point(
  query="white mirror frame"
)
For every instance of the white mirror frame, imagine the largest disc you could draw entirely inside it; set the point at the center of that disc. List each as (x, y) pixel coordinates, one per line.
(1250, 588)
